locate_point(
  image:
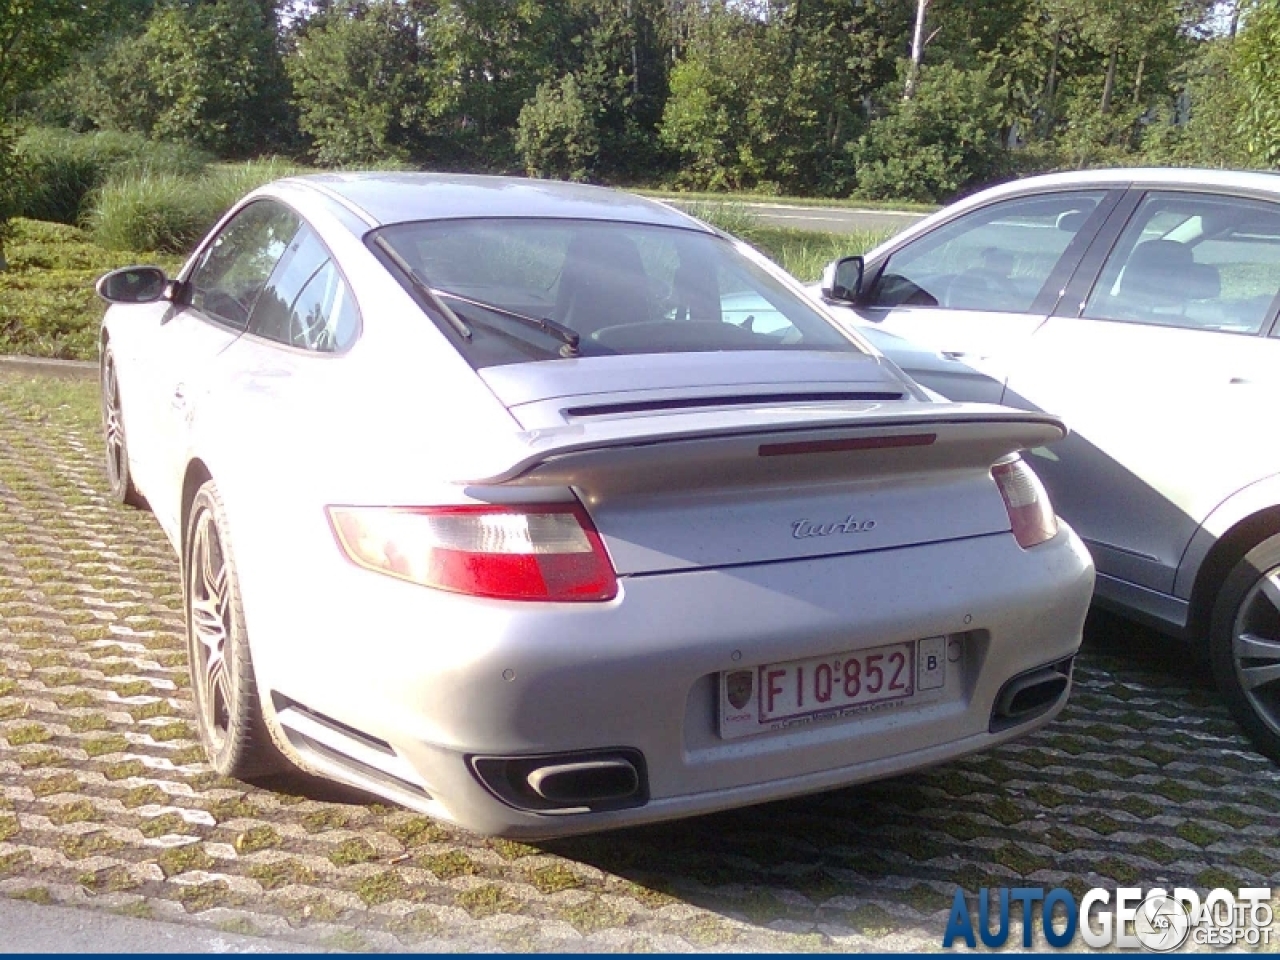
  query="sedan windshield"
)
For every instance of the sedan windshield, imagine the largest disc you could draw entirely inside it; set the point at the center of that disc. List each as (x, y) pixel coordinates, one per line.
(529, 289)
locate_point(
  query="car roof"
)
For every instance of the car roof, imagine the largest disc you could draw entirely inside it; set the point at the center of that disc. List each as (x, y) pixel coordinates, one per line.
(1252, 182)
(384, 198)
(1260, 180)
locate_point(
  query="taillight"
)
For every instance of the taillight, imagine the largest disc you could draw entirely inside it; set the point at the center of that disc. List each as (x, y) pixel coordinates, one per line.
(509, 553)
(1030, 513)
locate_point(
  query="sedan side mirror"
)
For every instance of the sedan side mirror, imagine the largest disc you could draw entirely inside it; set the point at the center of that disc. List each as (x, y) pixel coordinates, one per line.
(842, 279)
(133, 285)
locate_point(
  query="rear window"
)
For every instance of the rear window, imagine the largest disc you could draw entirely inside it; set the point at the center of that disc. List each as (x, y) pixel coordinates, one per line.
(619, 288)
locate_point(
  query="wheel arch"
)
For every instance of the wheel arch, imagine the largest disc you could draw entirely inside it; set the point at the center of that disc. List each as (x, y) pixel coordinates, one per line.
(196, 476)
(1234, 528)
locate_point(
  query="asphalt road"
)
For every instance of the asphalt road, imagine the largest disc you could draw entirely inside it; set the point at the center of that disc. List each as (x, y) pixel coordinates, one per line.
(832, 219)
(827, 219)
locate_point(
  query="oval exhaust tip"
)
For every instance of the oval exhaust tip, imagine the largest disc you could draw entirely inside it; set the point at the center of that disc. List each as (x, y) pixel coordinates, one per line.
(588, 782)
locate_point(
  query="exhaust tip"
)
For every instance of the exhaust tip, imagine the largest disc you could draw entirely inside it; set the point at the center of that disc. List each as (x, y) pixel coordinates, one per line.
(586, 782)
(582, 784)
(1031, 694)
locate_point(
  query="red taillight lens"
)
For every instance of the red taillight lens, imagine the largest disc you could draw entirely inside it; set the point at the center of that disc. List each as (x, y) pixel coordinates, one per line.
(1030, 512)
(508, 553)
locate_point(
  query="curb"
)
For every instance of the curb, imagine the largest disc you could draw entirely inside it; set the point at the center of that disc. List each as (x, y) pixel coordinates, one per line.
(69, 369)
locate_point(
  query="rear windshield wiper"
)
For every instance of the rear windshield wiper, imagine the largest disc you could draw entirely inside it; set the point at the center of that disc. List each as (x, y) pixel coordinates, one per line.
(551, 328)
(422, 288)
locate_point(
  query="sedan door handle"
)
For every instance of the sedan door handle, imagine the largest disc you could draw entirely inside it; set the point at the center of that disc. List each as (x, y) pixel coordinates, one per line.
(1238, 381)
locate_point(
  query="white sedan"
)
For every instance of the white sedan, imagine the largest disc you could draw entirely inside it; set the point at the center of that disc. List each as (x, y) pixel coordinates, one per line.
(545, 509)
(1141, 306)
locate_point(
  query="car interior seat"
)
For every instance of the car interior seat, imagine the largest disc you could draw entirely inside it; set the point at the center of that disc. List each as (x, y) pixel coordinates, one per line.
(603, 283)
(1161, 276)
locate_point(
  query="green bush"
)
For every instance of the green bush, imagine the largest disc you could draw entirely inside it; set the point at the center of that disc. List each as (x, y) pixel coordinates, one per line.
(163, 211)
(943, 141)
(61, 169)
(47, 304)
(556, 133)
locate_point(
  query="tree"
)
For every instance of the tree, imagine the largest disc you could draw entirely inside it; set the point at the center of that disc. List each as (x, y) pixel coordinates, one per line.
(37, 39)
(360, 82)
(918, 42)
(1258, 70)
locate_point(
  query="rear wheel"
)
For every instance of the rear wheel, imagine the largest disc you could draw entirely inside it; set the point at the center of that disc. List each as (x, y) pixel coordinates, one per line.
(1245, 644)
(228, 709)
(119, 475)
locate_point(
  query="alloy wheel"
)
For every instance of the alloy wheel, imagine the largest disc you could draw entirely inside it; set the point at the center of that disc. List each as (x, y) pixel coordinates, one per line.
(1255, 648)
(113, 428)
(210, 601)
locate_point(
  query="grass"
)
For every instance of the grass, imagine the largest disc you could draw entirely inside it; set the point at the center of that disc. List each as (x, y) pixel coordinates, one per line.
(802, 253)
(60, 169)
(170, 211)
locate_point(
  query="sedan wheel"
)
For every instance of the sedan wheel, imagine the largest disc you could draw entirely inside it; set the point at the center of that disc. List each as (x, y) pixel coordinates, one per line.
(1246, 644)
(228, 709)
(119, 475)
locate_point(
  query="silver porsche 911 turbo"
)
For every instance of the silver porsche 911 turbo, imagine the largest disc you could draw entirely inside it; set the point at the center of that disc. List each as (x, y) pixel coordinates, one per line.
(546, 509)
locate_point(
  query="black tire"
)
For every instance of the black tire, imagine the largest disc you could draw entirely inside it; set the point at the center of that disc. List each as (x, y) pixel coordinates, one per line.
(119, 473)
(229, 711)
(1244, 645)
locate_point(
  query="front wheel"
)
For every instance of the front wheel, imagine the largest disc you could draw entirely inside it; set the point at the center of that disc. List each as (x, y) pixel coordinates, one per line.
(229, 712)
(1245, 644)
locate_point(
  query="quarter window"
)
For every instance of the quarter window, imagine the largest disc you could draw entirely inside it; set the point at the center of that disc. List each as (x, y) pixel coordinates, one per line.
(1191, 260)
(233, 269)
(997, 258)
(306, 303)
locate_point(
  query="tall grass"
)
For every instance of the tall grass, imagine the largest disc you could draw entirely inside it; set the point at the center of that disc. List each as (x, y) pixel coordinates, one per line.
(802, 253)
(61, 169)
(164, 211)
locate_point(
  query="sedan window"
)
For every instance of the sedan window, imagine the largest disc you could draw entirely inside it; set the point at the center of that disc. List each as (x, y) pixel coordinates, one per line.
(233, 268)
(1193, 260)
(997, 258)
(610, 288)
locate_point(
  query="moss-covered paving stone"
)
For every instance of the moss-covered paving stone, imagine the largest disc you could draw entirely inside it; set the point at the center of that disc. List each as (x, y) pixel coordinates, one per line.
(107, 798)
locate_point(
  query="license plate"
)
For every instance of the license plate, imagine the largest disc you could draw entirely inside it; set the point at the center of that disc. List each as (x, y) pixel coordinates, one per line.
(777, 695)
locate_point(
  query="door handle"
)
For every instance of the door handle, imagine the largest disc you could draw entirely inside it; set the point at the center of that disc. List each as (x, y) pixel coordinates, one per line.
(1240, 381)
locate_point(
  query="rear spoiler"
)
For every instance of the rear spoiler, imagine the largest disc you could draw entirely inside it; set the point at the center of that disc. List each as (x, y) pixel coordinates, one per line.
(760, 444)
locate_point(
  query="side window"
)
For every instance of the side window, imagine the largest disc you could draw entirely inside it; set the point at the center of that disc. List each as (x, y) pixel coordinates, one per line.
(996, 258)
(233, 269)
(1191, 260)
(306, 303)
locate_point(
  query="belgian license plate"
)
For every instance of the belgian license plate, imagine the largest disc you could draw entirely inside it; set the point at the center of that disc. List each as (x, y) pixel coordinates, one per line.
(777, 695)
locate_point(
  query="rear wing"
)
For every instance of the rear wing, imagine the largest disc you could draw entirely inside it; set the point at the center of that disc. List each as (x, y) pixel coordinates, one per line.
(775, 445)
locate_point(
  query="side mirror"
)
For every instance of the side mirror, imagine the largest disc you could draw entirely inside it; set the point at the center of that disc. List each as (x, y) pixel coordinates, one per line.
(133, 285)
(842, 279)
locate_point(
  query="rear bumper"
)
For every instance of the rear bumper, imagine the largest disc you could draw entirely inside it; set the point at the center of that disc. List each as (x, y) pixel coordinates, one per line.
(432, 679)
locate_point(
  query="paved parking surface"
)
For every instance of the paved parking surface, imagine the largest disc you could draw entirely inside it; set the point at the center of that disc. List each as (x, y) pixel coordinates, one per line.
(105, 803)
